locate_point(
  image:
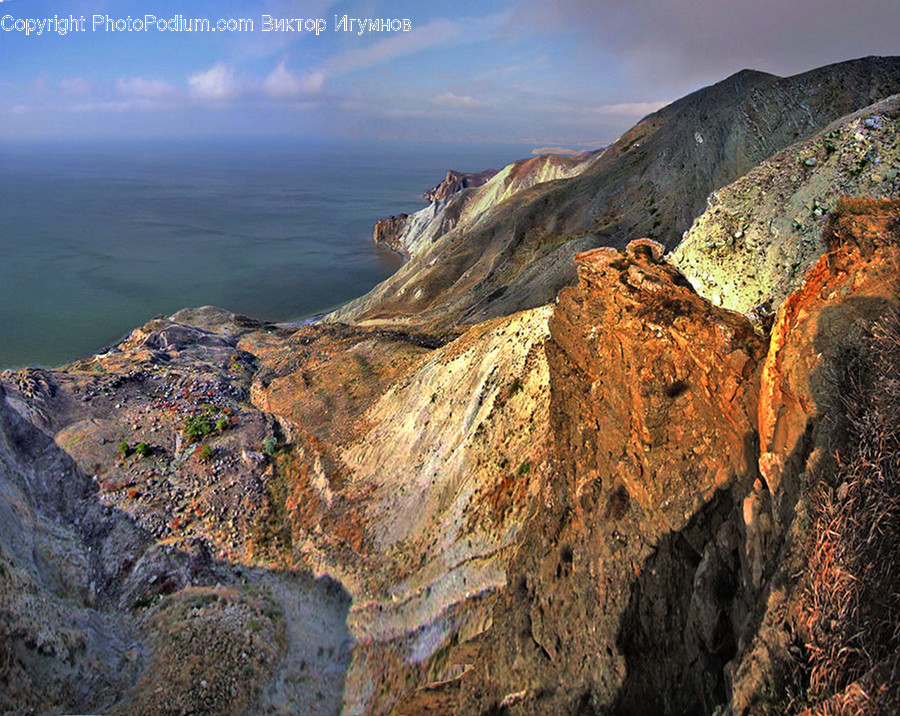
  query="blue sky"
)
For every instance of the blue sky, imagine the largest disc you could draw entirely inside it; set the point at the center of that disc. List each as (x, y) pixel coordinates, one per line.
(571, 72)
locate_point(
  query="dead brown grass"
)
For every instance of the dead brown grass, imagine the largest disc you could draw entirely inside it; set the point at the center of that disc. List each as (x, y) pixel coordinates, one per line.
(863, 222)
(865, 206)
(851, 604)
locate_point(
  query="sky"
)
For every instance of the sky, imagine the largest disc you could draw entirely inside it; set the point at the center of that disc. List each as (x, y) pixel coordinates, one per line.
(570, 73)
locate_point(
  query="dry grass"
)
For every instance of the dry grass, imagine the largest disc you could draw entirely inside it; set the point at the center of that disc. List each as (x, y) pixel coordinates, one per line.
(851, 604)
(865, 206)
(862, 221)
(213, 650)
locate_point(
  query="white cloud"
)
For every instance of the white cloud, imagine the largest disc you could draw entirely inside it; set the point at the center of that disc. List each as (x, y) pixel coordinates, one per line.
(144, 88)
(123, 106)
(455, 101)
(437, 33)
(626, 109)
(75, 85)
(215, 84)
(126, 105)
(281, 82)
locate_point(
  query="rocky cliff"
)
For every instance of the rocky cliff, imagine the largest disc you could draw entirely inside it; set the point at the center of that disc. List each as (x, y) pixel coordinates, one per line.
(388, 231)
(625, 500)
(634, 602)
(760, 235)
(653, 181)
(460, 202)
(457, 181)
(712, 504)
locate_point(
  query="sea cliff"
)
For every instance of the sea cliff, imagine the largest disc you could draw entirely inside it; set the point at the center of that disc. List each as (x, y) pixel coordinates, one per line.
(551, 466)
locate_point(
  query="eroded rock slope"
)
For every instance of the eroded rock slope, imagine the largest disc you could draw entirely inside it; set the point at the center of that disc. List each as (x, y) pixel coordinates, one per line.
(653, 181)
(716, 531)
(760, 235)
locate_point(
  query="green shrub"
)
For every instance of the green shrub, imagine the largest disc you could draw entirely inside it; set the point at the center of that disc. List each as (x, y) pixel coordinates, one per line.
(204, 453)
(142, 449)
(124, 449)
(198, 427)
(270, 445)
(515, 387)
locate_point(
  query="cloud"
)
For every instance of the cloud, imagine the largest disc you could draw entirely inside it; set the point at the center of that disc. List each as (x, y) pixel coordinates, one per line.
(215, 84)
(144, 88)
(281, 82)
(113, 106)
(626, 109)
(664, 41)
(437, 33)
(75, 86)
(454, 101)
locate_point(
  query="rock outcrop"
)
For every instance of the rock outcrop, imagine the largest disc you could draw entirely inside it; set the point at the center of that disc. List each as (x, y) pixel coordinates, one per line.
(680, 559)
(388, 231)
(760, 235)
(629, 565)
(828, 440)
(457, 181)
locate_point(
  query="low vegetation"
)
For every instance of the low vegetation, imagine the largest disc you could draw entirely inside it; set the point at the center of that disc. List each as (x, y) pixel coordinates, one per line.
(270, 445)
(865, 206)
(204, 453)
(210, 421)
(213, 649)
(851, 605)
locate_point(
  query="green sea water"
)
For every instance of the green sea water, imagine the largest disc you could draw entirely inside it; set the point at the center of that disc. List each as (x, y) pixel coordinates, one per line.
(98, 237)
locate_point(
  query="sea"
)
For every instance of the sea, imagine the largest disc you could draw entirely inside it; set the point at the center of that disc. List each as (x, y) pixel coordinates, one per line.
(97, 237)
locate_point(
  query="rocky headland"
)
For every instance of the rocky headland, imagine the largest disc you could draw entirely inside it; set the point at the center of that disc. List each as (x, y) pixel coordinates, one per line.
(566, 460)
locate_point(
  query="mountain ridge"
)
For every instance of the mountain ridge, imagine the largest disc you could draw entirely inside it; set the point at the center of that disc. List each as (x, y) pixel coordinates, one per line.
(519, 254)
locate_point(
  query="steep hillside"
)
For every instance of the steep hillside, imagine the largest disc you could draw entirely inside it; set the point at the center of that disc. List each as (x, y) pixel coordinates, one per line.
(411, 495)
(719, 523)
(628, 500)
(760, 235)
(368, 484)
(652, 182)
(462, 199)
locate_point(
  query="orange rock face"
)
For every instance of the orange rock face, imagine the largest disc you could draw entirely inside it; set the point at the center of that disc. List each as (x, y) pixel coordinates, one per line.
(623, 571)
(668, 568)
(669, 381)
(388, 231)
(856, 281)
